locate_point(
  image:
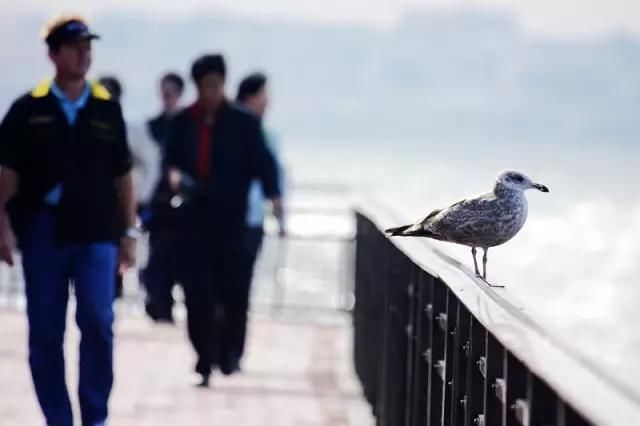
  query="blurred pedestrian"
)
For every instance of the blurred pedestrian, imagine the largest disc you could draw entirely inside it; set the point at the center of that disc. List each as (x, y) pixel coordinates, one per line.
(162, 272)
(216, 150)
(253, 98)
(146, 160)
(171, 90)
(65, 188)
(145, 153)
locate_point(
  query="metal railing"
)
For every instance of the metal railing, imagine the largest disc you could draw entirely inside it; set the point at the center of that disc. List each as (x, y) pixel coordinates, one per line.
(434, 346)
(309, 270)
(306, 271)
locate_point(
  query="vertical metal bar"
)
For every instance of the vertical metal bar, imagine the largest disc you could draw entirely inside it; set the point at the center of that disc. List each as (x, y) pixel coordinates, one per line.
(476, 376)
(377, 324)
(395, 348)
(369, 315)
(461, 355)
(453, 362)
(402, 301)
(494, 382)
(567, 416)
(279, 286)
(387, 344)
(345, 274)
(560, 419)
(450, 326)
(429, 352)
(542, 402)
(422, 345)
(411, 329)
(517, 405)
(436, 385)
(363, 253)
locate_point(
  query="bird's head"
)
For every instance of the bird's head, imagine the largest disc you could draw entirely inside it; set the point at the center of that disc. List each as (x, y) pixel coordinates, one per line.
(517, 181)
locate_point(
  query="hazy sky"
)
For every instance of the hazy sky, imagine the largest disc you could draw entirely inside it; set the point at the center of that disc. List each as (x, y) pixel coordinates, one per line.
(569, 18)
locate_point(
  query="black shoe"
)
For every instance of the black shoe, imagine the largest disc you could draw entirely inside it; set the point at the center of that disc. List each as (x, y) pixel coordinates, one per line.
(164, 320)
(202, 381)
(230, 367)
(151, 311)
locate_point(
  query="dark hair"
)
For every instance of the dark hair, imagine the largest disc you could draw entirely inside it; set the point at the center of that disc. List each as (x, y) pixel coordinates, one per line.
(208, 64)
(173, 78)
(112, 84)
(251, 85)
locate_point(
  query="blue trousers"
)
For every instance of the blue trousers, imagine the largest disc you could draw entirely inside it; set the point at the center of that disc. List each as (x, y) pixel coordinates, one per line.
(48, 270)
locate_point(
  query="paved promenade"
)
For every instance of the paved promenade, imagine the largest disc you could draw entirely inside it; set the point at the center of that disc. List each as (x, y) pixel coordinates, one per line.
(295, 374)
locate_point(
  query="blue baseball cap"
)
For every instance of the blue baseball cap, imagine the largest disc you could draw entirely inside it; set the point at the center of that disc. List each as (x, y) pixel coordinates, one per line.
(68, 30)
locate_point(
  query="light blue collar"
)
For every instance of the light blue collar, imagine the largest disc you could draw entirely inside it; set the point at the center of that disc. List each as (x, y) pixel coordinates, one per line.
(78, 103)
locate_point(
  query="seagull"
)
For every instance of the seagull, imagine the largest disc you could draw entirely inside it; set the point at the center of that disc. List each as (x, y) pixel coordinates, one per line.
(484, 221)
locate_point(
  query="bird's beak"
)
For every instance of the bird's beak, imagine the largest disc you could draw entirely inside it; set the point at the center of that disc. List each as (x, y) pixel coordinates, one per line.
(540, 188)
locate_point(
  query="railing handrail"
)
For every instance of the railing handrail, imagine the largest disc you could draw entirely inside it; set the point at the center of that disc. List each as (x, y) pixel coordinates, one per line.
(596, 395)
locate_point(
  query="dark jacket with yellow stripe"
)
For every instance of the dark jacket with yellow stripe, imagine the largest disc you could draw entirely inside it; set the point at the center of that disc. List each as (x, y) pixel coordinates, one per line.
(38, 143)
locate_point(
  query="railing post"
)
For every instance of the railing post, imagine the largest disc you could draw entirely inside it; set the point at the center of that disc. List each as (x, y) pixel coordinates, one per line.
(369, 308)
(517, 406)
(477, 375)
(494, 383)
(412, 343)
(423, 312)
(462, 351)
(542, 402)
(395, 349)
(437, 356)
(384, 278)
(450, 324)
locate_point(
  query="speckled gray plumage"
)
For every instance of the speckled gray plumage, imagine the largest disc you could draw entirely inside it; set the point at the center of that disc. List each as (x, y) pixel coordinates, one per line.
(487, 220)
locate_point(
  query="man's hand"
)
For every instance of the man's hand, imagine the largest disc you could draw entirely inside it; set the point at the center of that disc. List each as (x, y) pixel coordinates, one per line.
(277, 210)
(7, 239)
(8, 185)
(127, 253)
(175, 178)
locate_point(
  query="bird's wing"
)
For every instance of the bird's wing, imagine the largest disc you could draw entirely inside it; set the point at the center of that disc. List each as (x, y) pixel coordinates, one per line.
(414, 230)
(436, 215)
(418, 228)
(428, 217)
(468, 217)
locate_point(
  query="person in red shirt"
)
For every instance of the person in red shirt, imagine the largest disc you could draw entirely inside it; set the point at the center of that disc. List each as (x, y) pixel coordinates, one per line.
(214, 151)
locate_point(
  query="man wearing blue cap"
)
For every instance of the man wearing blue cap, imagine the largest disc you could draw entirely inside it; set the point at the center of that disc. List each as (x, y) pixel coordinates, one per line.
(65, 191)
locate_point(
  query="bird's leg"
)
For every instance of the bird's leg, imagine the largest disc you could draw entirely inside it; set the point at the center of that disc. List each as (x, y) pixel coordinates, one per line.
(484, 263)
(484, 270)
(475, 262)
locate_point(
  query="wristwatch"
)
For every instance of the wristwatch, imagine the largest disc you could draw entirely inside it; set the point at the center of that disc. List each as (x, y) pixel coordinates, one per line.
(133, 232)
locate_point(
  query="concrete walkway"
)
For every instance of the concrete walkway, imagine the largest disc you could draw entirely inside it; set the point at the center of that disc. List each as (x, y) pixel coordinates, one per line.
(294, 374)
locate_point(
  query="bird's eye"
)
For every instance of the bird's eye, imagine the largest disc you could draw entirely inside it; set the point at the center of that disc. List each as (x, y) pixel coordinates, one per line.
(518, 178)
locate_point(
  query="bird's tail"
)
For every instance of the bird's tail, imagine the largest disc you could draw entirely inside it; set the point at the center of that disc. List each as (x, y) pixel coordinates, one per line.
(398, 230)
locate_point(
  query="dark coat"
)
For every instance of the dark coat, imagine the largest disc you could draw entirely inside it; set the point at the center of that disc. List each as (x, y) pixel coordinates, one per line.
(239, 154)
(37, 142)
